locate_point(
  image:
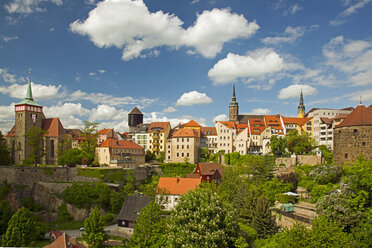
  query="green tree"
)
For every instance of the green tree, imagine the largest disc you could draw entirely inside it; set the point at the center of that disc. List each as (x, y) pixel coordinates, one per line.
(21, 229)
(299, 144)
(149, 156)
(6, 214)
(94, 233)
(263, 221)
(88, 146)
(278, 145)
(245, 201)
(202, 219)
(63, 215)
(5, 158)
(149, 229)
(64, 145)
(74, 155)
(35, 140)
(326, 153)
(204, 154)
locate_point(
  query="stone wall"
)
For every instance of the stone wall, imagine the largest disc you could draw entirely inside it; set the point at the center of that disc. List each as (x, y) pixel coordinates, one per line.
(299, 160)
(350, 142)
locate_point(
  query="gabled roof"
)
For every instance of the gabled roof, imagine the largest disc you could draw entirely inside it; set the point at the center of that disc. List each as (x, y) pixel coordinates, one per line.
(104, 131)
(136, 111)
(296, 120)
(340, 116)
(228, 124)
(326, 120)
(186, 133)
(274, 122)
(208, 169)
(73, 132)
(11, 132)
(54, 127)
(123, 144)
(241, 126)
(176, 185)
(64, 241)
(161, 125)
(244, 118)
(191, 123)
(208, 131)
(257, 126)
(132, 206)
(361, 116)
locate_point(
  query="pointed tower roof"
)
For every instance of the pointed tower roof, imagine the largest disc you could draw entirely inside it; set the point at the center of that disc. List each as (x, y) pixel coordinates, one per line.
(136, 111)
(361, 116)
(301, 106)
(233, 99)
(29, 100)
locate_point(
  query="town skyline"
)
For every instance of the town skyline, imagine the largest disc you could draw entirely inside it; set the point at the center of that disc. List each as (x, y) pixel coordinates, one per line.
(271, 52)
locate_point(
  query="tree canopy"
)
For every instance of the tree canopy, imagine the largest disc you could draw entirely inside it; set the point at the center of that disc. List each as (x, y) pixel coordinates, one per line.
(94, 233)
(35, 140)
(5, 158)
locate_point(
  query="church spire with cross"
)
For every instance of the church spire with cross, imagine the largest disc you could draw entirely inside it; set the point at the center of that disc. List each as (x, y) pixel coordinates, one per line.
(301, 107)
(29, 100)
(233, 107)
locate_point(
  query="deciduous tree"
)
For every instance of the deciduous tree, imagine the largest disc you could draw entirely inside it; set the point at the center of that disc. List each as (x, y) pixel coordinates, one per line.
(35, 140)
(4, 151)
(94, 233)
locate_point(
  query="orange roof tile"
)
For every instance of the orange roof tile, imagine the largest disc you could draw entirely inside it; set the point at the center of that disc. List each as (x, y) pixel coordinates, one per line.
(11, 132)
(177, 185)
(340, 116)
(257, 126)
(361, 116)
(124, 144)
(207, 131)
(296, 120)
(209, 168)
(54, 127)
(104, 131)
(228, 124)
(162, 125)
(186, 133)
(191, 123)
(241, 126)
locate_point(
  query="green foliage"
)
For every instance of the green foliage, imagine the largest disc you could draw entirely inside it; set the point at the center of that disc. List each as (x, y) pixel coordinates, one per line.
(161, 157)
(263, 221)
(177, 169)
(247, 235)
(327, 154)
(244, 202)
(5, 157)
(204, 154)
(94, 233)
(149, 230)
(64, 145)
(35, 140)
(74, 155)
(274, 187)
(63, 215)
(21, 229)
(282, 198)
(108, 175)
(5, 189)
(108, 218)
(88, 146)
(289, 178)
(6, 213)
(363, 234)
(299, 144)
(150, 156)
(202, 219)
(29, 203)
(278, 146)
(320, 190)
(326, 174)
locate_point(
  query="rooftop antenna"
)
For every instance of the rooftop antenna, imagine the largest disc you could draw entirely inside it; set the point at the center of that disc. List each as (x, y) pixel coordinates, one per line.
(360, 99)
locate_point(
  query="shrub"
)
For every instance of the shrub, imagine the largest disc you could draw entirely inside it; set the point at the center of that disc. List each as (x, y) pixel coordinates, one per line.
(282, 198)
(63, 215)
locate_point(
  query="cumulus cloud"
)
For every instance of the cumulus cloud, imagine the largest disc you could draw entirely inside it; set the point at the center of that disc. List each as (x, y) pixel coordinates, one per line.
(159, 117)
(193, 98)
(66, 110)
(7, 77)
(28, 6)
(40, 92)
(170, 109)
(293, 9)
(352, 8)
(290, 35)
(105, 112)
(139, 30)
(294, 90)
(221, 117)
(351, 57)
(260, 111)
(254, 64)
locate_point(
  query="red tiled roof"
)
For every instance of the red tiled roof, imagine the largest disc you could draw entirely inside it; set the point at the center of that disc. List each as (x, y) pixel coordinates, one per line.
(228, 124)
(296, 120)
(241, 126)
(11, 132)
(161, 125)
(124, 144)
(274, 122)
(177, 185)
(191, 123)
(186, 133)
(361, 116)
(135, 110)
(104, 131)
(54, 127)
(257, 126)
(341, 116)
(207, 131)
(326, 120)
(64, 241)
(207, 169)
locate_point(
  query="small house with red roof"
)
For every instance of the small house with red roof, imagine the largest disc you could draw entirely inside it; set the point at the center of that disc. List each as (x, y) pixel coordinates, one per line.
(209, 172)
(106, 133)
(123, 153)
(353, 136)
(169, 189)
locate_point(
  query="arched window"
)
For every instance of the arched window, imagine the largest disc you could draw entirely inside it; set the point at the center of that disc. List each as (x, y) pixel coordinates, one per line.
(52, 148)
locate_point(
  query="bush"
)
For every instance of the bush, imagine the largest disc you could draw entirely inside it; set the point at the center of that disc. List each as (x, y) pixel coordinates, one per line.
(177, 169)
(326, 174)
(282, 198)
(63, 215)
(108, 218)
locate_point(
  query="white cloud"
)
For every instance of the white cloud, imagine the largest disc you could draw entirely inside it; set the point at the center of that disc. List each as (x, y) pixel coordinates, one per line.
(7, 77)
(366, 96)
(193, 98)
(290, 35)
(352, 8)
(40, 92)
(101, 71)
(7, 112)
(28, 6)
(105, 112)
(256, 63)
(293, 9)
(221, 117)
(9, 38)
(92, 73)
(66, 110)
(260, 111)
(154, 117)
(170, 109)
(139, 30)
(294, 90)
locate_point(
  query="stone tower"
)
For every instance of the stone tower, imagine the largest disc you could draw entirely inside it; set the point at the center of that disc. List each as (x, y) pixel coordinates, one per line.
(135, 117)
(233, 108)
(28, 113)
(301, 107)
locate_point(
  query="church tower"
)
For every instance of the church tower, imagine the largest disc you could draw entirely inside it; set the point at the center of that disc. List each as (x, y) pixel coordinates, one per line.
(135, 117)
(233, 108)
(301, 107)
(28, 113)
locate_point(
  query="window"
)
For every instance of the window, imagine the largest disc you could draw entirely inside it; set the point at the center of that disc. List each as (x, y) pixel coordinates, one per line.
(363, 143)
(182, 146)
(52, 148)
(178, 154)
(183, 154)
(187, 155)
(355, 130)
(187, 140)
(182, 140)
(345, 155)
(168, 157)
(187, 146)
(178, 146)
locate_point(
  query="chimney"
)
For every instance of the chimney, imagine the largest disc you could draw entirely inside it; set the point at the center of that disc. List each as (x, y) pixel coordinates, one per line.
(178, 179)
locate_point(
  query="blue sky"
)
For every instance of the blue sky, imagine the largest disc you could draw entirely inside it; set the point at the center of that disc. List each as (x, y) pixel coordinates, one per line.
(177, 60)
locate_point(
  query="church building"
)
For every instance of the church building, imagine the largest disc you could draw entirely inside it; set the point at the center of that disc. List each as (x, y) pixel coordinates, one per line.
(28, 114)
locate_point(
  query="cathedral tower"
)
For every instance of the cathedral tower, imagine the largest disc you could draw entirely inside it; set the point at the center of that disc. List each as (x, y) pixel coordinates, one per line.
(233, 108)
(28, 113)
(301, 107)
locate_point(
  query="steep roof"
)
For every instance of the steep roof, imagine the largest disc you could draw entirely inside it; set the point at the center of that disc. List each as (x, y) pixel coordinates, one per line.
(176, 185)
(273, 121)
(340, 116)
(104, 131)
(132, 206)
(207, 131)
(191, 123)
(74, 132)
(123, 144)
(161, 125)
(228, 124)
(296, 120)
(257, 126)
(207, 169)
(54, 127)
(64, 241)
(361, 116)
(136, 111)
(186, 133)
(11, 132)
(326, 120)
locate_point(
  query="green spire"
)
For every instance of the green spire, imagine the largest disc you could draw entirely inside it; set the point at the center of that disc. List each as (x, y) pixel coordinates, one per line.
(29, 91)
